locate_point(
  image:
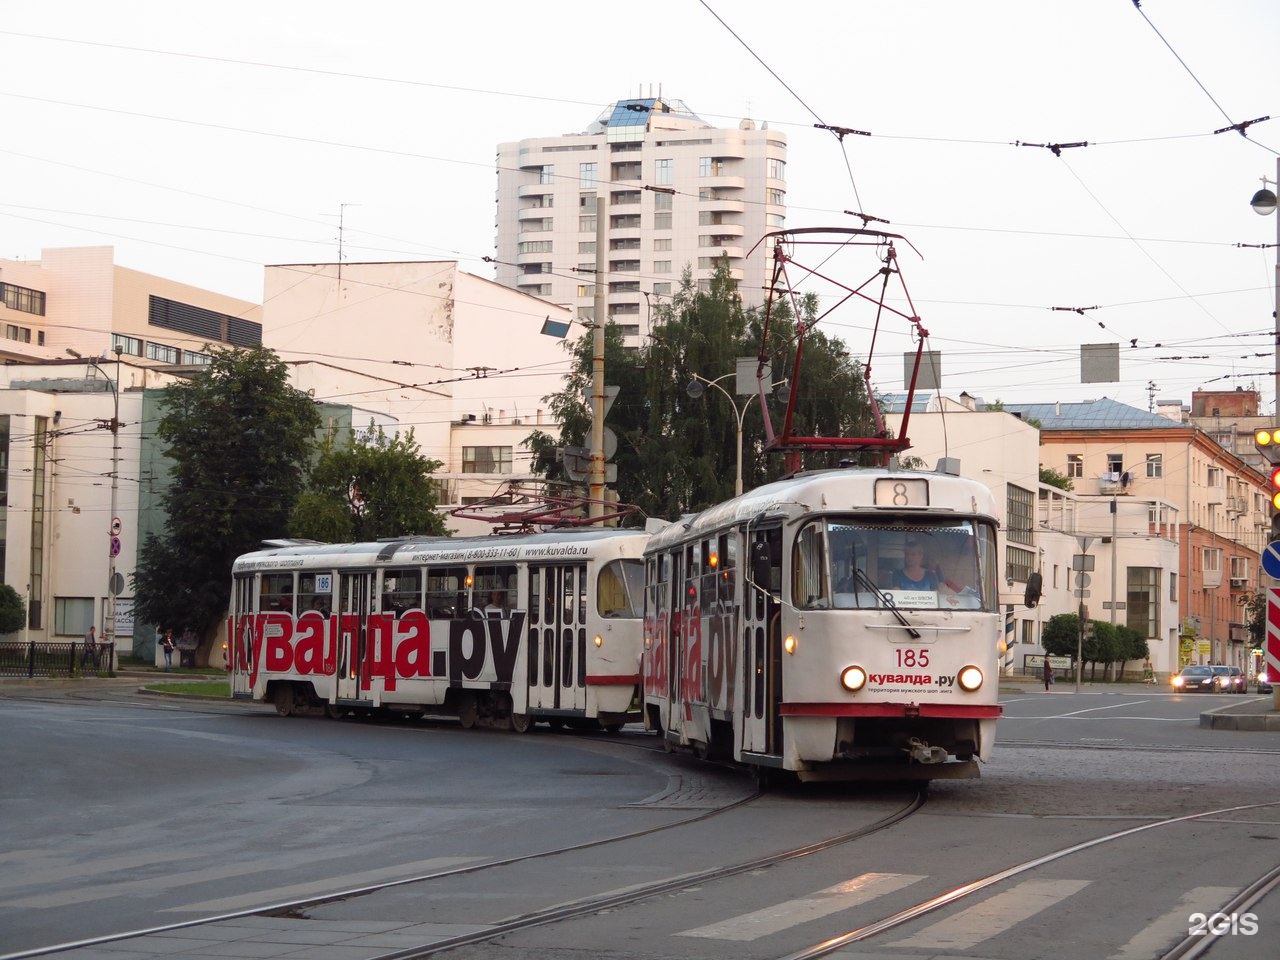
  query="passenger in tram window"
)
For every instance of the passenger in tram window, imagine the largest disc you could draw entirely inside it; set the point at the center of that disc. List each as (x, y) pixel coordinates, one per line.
(497, 605)
(320, 604)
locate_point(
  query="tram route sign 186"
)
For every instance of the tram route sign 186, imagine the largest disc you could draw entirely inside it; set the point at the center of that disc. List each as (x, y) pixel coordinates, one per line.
(1271, 559)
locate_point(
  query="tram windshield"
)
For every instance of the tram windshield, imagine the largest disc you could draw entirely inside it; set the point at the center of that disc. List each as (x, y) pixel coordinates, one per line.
(919, 563)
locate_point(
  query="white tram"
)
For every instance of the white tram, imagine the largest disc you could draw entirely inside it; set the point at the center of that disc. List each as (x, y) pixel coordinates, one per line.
(505, 630)
(782, 632)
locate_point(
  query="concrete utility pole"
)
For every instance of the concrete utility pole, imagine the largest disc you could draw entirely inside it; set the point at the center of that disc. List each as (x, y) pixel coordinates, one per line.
(595, 509)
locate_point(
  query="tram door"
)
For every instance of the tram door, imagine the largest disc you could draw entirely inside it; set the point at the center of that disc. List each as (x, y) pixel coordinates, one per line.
(762, 643)
(557, 639)
(354, 591)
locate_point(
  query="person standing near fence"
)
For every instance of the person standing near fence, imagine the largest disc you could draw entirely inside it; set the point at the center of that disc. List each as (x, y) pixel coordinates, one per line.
(90, 655)
(1048, 674)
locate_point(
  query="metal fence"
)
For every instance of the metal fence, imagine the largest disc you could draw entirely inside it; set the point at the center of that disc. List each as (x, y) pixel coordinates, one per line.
(52, 660)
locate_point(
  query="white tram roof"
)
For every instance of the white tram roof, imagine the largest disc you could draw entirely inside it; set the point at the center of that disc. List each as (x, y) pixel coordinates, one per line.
(839, 490)
(410, 551)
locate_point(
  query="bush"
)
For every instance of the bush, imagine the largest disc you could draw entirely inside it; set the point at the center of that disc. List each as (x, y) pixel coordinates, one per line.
(13, 611)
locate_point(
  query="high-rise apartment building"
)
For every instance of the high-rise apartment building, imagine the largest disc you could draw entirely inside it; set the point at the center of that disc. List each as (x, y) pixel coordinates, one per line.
(677, 192)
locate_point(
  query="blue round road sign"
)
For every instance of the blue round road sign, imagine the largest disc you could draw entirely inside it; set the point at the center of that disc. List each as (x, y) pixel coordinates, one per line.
(1271, 559)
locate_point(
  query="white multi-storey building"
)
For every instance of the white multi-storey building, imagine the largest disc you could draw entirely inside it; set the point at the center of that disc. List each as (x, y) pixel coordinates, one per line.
(677, 192)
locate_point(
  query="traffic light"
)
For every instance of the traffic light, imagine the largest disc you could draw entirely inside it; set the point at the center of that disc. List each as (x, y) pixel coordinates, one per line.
(1267, 442)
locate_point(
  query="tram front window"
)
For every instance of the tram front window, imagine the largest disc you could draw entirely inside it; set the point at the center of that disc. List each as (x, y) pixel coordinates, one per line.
(620, 589)
(915, 564)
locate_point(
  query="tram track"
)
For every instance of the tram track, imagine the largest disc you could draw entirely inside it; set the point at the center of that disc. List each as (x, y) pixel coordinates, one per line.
(1187, 949)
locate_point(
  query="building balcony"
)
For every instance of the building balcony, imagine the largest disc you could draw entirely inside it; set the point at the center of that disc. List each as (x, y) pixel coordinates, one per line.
(732, 252)
(725, 183)
(1215, 494)
(533, 213)
(723, 205)
(533, 190)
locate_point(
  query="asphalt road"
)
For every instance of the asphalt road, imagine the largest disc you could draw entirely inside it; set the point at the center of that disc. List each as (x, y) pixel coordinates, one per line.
(123, 812)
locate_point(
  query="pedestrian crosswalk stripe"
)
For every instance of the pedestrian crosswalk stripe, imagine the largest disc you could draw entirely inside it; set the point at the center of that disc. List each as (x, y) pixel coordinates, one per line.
(992, 916)
(781, 916)
(1156, 936)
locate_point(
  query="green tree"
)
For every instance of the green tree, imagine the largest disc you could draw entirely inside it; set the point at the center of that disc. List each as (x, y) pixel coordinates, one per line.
(675, 453)
(1102, 648)
(239, 437)
(13, 611)
(1055, 479)
(1060, 635)
(373, 486)
(1255, 610)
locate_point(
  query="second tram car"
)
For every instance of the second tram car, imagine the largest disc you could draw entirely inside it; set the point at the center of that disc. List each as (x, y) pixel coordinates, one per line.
(841, 624)
(504, 630)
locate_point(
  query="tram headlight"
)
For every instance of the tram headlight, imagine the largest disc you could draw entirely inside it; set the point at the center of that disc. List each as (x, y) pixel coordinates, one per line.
(853, 678)
(969, 678)
(789, 643)
(599, 640)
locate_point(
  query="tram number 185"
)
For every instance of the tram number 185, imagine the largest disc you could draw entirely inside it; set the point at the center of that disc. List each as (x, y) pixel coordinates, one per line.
(908, 657)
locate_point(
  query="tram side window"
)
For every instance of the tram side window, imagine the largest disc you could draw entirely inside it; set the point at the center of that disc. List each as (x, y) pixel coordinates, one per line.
(620, 589)
(495, 589)
(277, 592)
(401, 591)
(315, 592)
(446, 592)
(728, 548)
(809, 584)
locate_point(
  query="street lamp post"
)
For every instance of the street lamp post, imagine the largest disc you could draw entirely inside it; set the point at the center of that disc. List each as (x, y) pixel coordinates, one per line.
(1264, 204)
(695, 389)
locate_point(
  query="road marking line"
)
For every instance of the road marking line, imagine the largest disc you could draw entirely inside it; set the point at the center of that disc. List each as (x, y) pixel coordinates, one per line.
(985, 920)
(1155, 938)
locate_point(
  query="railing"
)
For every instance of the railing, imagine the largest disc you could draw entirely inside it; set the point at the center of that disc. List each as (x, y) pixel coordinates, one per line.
(50, 660)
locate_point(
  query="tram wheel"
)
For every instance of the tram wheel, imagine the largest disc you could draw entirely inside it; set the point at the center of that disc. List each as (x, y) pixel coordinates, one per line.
(521, 722)
(334, 712)
(284, 700)
(468, 712)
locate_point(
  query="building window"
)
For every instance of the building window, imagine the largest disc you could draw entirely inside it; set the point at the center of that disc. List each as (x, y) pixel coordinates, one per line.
(586, 290)
(662, 266)
(1115, 463)
(158, 351)
(191, 358)
(14, 332)
(22, 298)
(587, 175)
(662, 221)
(625, 221)
(486, 459)
(586, 201)
(662, 201)
(775, 169)
(662, 289)
(534, 246)
(547, 174)
(1019, 564)
(72, 616)
(1173, 587)
(1142, 602)
(1155, 464)
(775, 220)
(662, 171)
(1028, 631)
(537, 226)
(775, 196)
(586, 224)
(629, 329)
(586, 246)
(662, 243)
(623, 197)
(1019, 504)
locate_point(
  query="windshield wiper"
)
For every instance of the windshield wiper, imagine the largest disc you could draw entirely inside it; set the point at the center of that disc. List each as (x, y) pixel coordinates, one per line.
(860, 576)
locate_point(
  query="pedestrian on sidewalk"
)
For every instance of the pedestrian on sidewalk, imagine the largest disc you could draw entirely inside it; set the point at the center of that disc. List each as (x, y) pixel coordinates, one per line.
(168, 646)
(1048, 673)
(90, 655)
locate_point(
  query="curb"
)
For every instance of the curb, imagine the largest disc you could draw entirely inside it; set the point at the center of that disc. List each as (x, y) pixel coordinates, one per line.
(1218, 719)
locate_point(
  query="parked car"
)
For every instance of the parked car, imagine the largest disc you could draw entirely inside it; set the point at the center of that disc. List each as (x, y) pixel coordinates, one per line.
(1264, 682)
(1237, 681)
(1195, 679)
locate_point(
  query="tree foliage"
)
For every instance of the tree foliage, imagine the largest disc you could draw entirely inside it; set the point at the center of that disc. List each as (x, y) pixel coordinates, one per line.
(1055, 479)
(1060, 635)
(677, 454)
(239, 437)
(373, 486)
(13, 611)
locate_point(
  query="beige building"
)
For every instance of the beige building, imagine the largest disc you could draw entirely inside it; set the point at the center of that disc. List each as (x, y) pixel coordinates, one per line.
(1109, 449)
(677, 192)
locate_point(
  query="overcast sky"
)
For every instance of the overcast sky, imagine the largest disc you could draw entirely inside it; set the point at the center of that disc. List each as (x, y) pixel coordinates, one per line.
(204, 141)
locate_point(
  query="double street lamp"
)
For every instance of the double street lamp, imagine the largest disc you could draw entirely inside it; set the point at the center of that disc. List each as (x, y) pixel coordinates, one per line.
(113, 548)
(698, 386)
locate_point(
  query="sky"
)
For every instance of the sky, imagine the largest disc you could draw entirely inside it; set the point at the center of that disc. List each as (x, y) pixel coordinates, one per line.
(205, 141)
